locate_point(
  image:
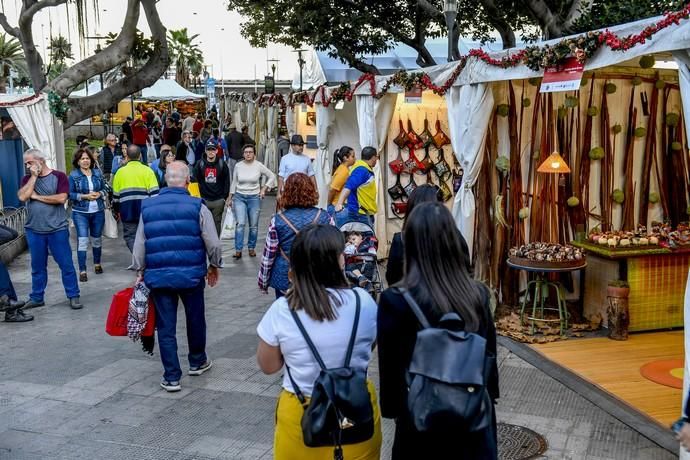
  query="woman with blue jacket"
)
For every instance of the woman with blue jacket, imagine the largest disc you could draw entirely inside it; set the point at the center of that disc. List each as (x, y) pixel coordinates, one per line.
(86, 193)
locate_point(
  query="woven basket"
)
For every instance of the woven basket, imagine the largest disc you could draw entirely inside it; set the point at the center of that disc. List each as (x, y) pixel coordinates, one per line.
(529, 263)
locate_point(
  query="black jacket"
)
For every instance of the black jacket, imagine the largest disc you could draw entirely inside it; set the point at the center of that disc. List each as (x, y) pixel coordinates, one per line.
(7, 234)
(213, 178)
(397, 332)
(235, 141)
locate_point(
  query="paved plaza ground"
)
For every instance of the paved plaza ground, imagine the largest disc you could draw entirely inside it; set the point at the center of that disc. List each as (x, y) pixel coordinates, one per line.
(69, 391)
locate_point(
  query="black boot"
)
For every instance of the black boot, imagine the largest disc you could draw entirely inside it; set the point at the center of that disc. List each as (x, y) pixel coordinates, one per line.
(17, 316)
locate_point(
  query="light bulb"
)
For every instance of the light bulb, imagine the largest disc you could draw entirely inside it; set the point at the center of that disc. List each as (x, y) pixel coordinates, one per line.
(555, 165)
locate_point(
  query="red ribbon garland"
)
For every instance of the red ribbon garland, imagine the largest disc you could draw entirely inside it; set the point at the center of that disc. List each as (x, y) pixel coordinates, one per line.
(608, 38)
(20, 101)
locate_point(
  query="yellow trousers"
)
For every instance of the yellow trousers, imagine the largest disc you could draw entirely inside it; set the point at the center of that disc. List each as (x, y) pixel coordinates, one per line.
(288, 443)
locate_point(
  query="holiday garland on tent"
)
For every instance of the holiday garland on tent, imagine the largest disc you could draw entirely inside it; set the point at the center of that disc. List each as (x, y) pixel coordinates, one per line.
(535, 58)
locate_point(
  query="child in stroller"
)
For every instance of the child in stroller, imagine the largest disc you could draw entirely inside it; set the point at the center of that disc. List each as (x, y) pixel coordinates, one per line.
(360, 258)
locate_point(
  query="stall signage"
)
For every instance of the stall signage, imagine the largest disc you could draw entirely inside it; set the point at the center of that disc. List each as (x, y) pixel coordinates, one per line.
(414, 95)
(564, 77)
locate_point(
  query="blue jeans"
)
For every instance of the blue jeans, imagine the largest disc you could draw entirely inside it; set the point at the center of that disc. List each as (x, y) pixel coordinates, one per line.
(144, 152)
(88, 224)
(6, 287)
(58, 243)
(347, 216)
(246, 205)
(339, 217)
(166, 301)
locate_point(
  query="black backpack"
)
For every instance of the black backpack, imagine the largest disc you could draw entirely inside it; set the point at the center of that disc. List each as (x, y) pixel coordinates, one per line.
(447, 377)
(340, 410)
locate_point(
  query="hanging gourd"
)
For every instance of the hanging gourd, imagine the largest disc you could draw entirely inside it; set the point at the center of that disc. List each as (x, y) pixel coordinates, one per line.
(503, 110)
(676, 146)
(640, 131)
(597, 153)
(660, 84)
(654, 197)
(672, 119)
(617, 128)
(573, 201)
(636, 81)
(593, 111)
(647, 62)
(618, 196)
(610, 88)
(523, 213)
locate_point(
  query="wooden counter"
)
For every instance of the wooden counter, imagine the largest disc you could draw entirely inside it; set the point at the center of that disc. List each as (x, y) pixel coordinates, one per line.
(657, 278)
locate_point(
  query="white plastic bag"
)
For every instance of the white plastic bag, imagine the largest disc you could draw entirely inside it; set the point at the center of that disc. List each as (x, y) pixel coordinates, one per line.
(227, 231)
(110, 226)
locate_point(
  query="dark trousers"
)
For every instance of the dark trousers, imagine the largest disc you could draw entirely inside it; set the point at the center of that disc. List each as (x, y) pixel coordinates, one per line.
(58, 243)
(166, 301)
(129, 233)
(6, 287)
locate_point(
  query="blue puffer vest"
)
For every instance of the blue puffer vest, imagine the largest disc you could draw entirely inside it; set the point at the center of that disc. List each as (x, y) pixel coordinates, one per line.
(79, 185)
(299, 217)
(175, 251)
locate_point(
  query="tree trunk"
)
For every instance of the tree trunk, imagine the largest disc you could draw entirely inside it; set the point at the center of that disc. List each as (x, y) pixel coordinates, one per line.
(501, 26)
(355, 62)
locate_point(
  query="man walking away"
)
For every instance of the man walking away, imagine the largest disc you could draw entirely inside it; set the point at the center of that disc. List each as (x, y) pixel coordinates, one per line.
(295, 161)
(133, 183)
(188, 123)
(360, 189)
(174, 240)
(140, 135)
(283, 144)
(234, 141)
(45, 192)
(213, 177)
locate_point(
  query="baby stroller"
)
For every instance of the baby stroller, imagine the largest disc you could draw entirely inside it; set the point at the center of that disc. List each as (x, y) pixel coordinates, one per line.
(363, 262)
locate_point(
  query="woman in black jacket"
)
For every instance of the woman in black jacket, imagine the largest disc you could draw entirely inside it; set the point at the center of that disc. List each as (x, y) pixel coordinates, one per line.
(437, 278)
(394, 267)
(8, 297)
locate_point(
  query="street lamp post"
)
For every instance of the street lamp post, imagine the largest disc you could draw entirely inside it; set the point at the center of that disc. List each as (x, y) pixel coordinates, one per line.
(450, 10)
(301, 63)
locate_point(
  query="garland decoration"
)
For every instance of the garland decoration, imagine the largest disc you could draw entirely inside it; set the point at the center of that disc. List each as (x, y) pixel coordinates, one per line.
(535, 57)
(57, 106)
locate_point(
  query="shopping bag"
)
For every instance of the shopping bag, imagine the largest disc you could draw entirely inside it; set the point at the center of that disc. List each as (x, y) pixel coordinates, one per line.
(116, 324)
(227, 232)
(193, 189)
(110, 226)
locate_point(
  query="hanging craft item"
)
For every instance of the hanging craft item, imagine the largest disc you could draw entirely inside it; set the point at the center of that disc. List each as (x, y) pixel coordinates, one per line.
(412, 164)
(442, 168)
(425, 164)
(399, 209)
(411, 186)
(457, 176)
(445, 191)
(397, 192)
(426, 136)
(440, 138)
(397, 165)
(413, 142)
(401, 138)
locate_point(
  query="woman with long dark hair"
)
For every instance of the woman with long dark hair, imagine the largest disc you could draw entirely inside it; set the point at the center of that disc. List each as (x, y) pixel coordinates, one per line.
(298, 203)
(86, 193)
(394, 267)
(343, 159)
(437, 278)
(326, 306)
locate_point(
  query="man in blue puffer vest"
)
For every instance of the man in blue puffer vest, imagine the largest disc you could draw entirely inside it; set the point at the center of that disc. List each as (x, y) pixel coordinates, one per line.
(175, 237)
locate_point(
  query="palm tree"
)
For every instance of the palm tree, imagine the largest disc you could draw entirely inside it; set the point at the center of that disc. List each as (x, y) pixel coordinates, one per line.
(60, 52)
(185, 55)
(11, 57)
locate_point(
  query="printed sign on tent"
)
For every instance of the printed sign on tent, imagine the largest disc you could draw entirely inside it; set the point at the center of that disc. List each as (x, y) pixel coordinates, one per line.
(564, 77)
(414, 96)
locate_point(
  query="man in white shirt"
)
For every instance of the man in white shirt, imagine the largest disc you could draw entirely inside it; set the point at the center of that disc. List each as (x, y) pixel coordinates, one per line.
(188, 122)
(295, 162)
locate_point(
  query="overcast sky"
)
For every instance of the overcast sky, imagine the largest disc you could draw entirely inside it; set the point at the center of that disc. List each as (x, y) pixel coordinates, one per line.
(229, 54)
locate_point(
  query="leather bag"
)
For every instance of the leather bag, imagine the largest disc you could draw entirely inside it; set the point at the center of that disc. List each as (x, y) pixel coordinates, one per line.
(401, 138)
(447, 376)
(339, 411)
(413, 142)
(426, 136)
(397, 165)
(399, 209)
(442, 168)
(397, 192)
(411, 186)
(440, 138)
(425, 164)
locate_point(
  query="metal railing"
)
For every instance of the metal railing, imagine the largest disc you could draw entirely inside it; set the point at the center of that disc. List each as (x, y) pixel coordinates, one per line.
(13, 218)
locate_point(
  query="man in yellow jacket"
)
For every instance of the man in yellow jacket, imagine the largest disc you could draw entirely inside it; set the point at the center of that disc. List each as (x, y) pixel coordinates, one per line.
(132, 183)
(360, 189)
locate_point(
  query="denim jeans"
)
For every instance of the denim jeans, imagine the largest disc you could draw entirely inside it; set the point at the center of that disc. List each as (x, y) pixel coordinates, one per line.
(129, 233)
(144, 153)
(58, 243)
(338, 217)
(88, 225)
(166, 301)
(246, 205)
(6, 287)
(346, 216)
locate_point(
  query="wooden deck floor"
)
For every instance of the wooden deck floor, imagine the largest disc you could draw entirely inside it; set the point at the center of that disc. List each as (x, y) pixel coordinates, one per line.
(615, 367)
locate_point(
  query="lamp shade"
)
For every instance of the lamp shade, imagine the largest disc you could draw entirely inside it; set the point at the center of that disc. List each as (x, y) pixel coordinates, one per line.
(554, 164)
(450, 6)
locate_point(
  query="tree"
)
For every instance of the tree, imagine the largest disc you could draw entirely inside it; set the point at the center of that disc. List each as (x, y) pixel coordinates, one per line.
(349, 29)
(11, 57)
(116, 53)
(60, 52)
(142, 50)
(185, 55)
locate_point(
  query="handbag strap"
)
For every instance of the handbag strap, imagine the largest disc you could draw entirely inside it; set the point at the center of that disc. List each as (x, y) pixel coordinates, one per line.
(414, 307)
(314, 351)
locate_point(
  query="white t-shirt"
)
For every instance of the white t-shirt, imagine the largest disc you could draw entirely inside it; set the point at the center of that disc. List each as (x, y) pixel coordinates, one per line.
(293, 163)
(278, 328)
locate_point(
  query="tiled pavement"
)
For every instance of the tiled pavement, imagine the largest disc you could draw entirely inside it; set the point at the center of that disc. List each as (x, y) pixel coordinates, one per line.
(69, 391)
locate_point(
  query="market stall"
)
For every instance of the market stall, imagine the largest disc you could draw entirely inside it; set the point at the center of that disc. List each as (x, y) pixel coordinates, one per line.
(168, 95)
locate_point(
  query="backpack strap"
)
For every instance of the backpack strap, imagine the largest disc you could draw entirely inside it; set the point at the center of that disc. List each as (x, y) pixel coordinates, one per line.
(414, 307)
(353, 334)
(294, 229)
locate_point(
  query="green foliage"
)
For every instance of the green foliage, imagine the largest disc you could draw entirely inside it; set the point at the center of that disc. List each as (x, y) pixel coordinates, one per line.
(11, 57)
(185, 55)
(60, 50)
(599, 14)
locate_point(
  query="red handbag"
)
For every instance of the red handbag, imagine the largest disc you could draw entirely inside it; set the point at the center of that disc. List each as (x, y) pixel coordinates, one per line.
(116, 324)
(397, 165)
(399, 209)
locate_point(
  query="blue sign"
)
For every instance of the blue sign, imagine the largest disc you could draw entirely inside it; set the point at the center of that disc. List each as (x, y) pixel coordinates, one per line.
(210, 85)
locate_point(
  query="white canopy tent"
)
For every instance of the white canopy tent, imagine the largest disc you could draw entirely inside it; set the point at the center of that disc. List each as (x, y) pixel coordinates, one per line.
(39, 128)
(470, 103)
(168, 90)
